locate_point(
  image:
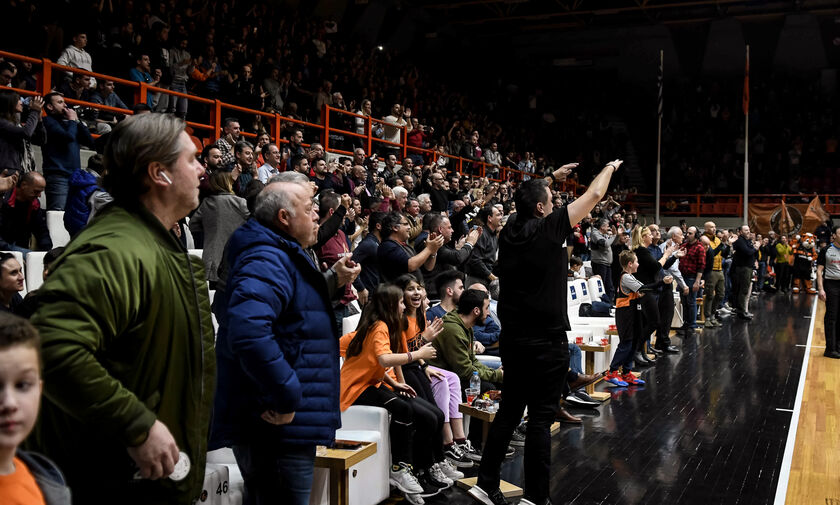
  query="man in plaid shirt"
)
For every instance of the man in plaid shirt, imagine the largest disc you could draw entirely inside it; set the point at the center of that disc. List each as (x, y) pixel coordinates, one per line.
(691, 267)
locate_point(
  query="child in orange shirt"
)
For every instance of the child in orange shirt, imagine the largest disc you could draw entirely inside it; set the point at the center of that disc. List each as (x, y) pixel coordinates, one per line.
(25, 478)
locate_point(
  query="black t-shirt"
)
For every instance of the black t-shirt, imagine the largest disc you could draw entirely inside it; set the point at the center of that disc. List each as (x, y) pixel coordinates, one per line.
(532, 270)
(393, 259)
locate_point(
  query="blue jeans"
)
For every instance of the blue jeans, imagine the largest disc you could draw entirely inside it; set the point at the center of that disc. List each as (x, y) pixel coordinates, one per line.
(575, 359)
(690, 304)
(276, 473)
(57, 187)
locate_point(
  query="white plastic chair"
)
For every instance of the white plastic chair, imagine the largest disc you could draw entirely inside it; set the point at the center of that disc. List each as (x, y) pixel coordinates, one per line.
(34, 270)
(55, 224)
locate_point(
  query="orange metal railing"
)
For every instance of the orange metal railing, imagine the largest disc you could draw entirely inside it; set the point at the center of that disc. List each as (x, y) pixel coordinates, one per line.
(687, 205)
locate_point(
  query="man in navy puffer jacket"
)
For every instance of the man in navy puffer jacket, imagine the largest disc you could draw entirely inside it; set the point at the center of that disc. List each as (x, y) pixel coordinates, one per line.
(277, 349)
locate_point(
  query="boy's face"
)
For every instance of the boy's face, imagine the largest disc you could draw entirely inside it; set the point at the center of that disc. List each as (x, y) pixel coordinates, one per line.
(20, 394)
(575, 268)
(633, 266)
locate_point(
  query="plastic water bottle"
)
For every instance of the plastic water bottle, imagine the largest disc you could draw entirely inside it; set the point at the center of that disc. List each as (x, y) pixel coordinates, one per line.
(475, 381)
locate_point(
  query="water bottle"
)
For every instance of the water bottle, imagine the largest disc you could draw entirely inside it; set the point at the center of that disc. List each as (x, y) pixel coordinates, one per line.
(475, 381)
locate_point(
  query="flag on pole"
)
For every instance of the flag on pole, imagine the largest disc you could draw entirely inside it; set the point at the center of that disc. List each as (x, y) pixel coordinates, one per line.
(659, 80)
(746, 104)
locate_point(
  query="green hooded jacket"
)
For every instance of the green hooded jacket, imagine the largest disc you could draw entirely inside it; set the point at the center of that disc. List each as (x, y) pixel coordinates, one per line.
(127, 339)
(455, 353)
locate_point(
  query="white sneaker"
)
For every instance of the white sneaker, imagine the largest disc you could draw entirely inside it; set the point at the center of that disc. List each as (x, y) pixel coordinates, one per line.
(470, 451)
(450, 471)
(415, 499)
(404, 480)
(437, 474)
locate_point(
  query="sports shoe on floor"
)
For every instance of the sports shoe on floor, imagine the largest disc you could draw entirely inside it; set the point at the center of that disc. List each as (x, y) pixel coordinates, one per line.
(519, 435)
(469, 451)
(430, 486)
(494, 497)
(456, 456)
(415, 499)
(613, 377)
(437, 475)
(580, 393)
(449, 470)
(632, 380)
(709, 323)
(404, 480)
(574, 401)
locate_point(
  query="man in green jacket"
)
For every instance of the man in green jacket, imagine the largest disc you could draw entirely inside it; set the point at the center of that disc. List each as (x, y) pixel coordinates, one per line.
(454, 345)
(127, 338)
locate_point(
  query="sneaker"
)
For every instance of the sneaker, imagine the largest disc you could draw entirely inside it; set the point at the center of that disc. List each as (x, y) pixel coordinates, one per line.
(449, 470)
(431, 487)
(519, 435)
(614, 378)
(415, 499)
(717, 322)
(709, 323)
(456, 456)
(494, 497)
(470, 452)
(580, 393)
(631, 379)
(437, 475)
(404, 480)
(574, 401)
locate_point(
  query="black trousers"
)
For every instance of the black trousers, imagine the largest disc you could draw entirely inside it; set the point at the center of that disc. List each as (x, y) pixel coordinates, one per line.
(650, 318)
(416, 378)
(413, 424)
(535, 369)
(665, 304)
(832, 312)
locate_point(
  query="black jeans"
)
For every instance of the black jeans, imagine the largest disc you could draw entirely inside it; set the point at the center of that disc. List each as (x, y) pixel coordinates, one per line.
(650, 319)
(534, 373)
(741, 289)
(416, 378)
(832, 312)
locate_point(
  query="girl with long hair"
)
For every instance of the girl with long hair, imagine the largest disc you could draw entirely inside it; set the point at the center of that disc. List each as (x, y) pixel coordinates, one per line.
(376, 346)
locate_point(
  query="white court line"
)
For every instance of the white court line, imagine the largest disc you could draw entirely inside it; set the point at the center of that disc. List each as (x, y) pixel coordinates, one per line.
(814, 346)
(785, 410)
(787, 460)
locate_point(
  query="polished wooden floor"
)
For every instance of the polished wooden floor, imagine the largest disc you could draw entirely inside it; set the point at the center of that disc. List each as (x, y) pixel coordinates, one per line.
(815, 469)
(709, 427)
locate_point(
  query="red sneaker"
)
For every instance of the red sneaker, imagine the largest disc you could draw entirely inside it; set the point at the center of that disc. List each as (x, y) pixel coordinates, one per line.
(631, 379)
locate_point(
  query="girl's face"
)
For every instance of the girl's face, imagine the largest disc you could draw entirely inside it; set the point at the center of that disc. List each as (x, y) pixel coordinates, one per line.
(401, 306)
(11, 276)
(413, 295)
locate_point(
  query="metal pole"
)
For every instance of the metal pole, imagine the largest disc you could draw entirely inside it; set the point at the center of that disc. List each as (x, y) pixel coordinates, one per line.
(747, 152)
(659, 134)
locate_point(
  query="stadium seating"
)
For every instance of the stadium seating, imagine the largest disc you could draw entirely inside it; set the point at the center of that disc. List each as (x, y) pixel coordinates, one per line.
(55, 224)
(34, 269)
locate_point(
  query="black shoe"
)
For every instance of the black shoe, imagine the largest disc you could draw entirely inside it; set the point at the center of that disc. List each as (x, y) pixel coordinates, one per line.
(655, 351)
(583, 395)
(641, 361)
(832, 354)
(430, 486)
(670, 350)
(574, 401)
(518, 438)
(492, 497)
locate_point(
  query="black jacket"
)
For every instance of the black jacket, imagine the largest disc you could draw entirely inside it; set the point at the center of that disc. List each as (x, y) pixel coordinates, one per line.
(19, 222)
(745, 253)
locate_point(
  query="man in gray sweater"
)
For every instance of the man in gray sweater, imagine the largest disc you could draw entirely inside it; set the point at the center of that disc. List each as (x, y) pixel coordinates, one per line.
(600, 242)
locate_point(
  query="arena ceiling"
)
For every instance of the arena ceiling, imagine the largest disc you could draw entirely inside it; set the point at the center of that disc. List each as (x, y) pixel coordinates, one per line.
(540, 15)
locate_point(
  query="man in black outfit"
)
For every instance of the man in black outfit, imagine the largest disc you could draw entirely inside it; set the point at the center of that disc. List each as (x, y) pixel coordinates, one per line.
(532, 271)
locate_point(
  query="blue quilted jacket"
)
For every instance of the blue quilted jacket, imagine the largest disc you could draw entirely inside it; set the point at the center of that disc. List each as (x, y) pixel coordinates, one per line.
(277, 345)
(77, 209)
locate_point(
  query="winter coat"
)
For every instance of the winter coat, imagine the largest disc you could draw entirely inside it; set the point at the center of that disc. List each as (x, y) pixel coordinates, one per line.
(277, 345)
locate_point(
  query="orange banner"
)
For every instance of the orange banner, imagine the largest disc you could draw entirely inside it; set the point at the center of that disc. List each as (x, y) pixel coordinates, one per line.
(786, 219)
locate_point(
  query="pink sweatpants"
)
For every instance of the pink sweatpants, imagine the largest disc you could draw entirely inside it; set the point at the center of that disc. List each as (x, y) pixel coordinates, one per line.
(447, 391)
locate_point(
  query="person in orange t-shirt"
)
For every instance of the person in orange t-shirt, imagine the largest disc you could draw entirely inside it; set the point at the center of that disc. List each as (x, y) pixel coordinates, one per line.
(376, 346)
(25, 478)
